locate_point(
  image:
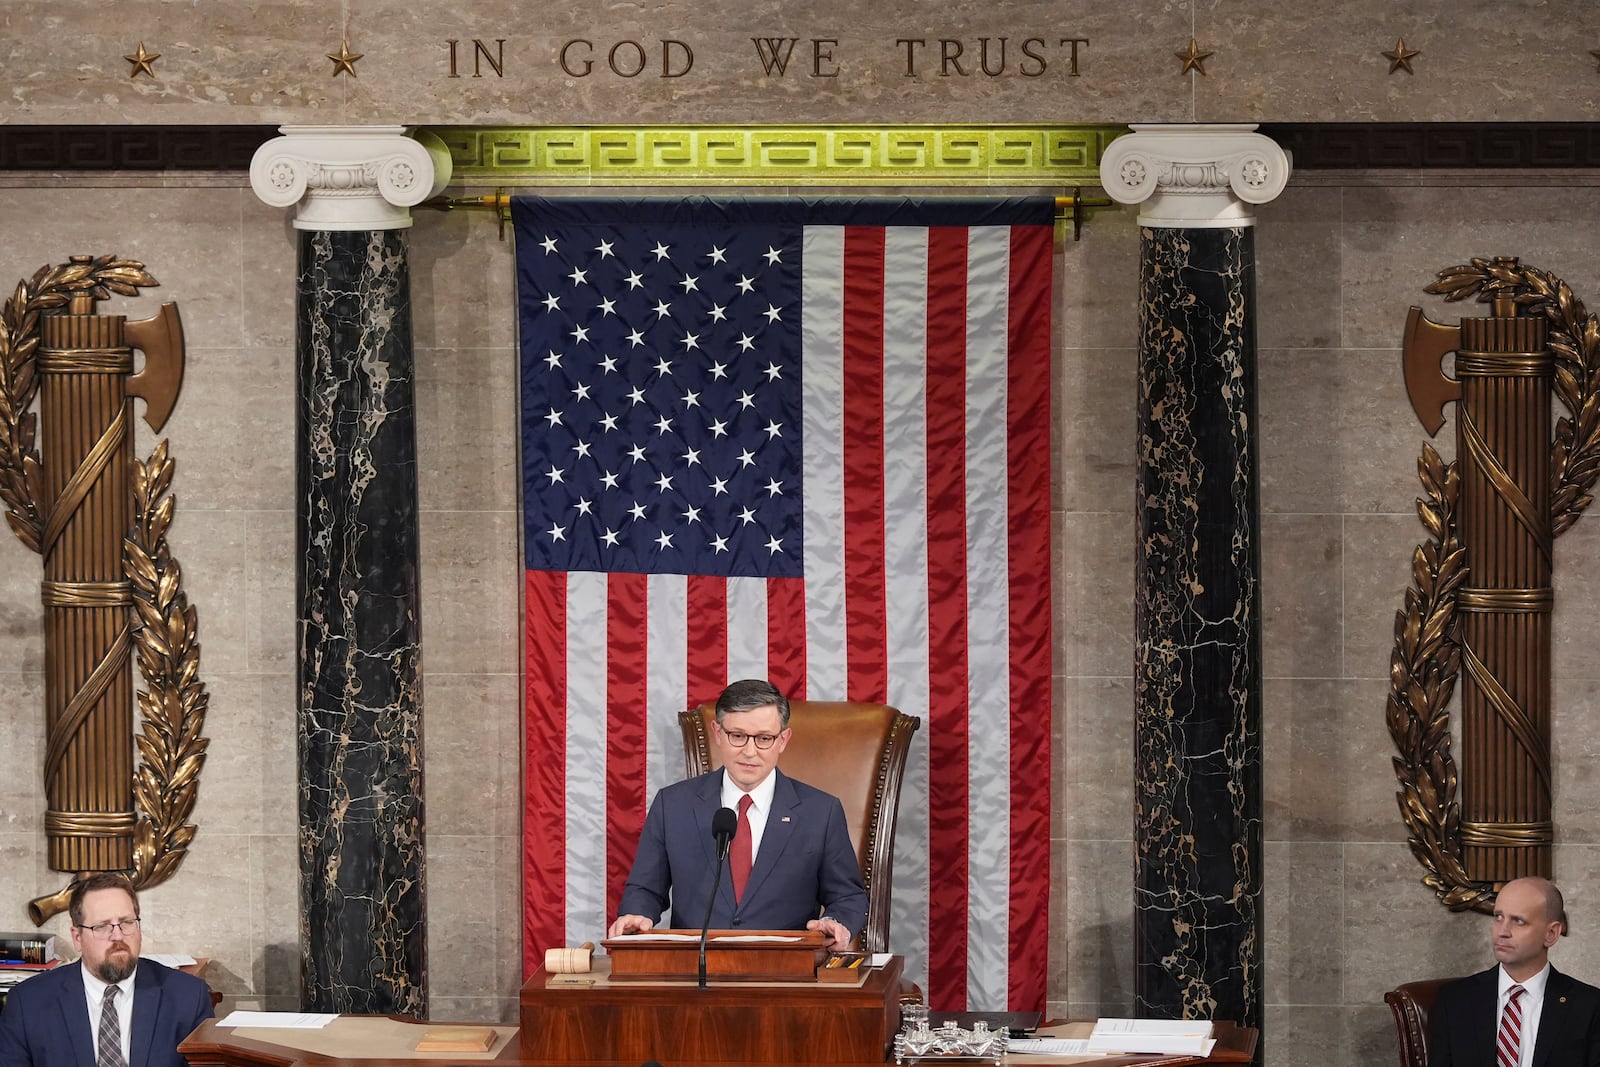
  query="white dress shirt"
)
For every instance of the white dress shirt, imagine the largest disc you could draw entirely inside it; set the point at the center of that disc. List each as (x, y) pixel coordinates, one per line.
(1532, 1007)
(760, 807)
(95, 991)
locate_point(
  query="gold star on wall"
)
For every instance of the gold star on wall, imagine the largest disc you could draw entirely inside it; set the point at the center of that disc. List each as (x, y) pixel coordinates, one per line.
(141, 61)
(1401, 56)
(344, 60)
(1193, 58)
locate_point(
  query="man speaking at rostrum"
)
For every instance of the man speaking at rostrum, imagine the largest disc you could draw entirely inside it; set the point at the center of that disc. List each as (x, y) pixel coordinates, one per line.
(790, 866)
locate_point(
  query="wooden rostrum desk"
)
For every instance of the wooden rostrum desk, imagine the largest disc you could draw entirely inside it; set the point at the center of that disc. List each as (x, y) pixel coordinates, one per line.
(589, 1019)
(386, 1041)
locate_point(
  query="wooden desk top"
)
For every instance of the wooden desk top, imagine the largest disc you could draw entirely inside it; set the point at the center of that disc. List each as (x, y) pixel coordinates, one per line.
(215, 1046)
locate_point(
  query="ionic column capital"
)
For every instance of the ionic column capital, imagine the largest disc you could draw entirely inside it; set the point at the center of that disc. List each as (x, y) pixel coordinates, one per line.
(1195, 176)
(349, 177)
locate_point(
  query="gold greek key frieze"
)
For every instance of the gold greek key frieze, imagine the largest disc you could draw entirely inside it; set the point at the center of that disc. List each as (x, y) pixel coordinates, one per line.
(771, 155)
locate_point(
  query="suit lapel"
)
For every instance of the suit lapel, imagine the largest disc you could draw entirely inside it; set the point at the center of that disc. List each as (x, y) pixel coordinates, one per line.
(74, 1004)
(1553, 1016)
(1482, 1027)
(707, 801)
(146, 1004)
(775, 838)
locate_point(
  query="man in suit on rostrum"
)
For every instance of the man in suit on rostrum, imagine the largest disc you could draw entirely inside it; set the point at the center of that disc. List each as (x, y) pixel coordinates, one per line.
(790, 866)
(110, 1009)
(1524, 1012)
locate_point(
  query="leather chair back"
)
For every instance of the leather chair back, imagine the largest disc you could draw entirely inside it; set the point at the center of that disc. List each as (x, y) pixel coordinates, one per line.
(1412, 1004)
(855, 751)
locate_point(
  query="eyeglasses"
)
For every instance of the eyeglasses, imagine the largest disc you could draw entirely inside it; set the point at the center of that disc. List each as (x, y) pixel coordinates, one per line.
(738, 739)
(106, 931)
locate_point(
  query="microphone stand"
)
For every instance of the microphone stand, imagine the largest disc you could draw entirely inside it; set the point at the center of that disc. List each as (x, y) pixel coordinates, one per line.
(724, 842)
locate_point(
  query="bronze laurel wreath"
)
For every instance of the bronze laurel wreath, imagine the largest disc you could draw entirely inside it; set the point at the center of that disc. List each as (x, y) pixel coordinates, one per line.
(174, 702)
(1427, 655)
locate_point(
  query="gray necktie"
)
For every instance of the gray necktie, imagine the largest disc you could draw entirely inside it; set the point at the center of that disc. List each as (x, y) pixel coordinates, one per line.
(109, 1054)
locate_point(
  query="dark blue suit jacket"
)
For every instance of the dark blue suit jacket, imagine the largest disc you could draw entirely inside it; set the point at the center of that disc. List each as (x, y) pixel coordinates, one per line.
(46, 1021)
(1465, 1022)
(805, 867)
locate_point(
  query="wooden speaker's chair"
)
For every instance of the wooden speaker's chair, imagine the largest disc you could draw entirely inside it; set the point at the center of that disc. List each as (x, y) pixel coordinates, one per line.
(1412, 1004)
(857, 752)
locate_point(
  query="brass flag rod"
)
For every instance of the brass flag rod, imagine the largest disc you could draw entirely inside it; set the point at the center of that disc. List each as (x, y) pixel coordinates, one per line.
(1071, 206)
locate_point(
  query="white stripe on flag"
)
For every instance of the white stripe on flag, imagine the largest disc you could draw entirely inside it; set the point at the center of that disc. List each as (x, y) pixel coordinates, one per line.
(905, 360)
(747, 628)
(586, 748)
(988, 634)
(822, 376)
(666, 680)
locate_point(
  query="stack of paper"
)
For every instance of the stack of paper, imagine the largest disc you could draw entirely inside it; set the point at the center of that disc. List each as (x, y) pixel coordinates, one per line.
(1176, 1037)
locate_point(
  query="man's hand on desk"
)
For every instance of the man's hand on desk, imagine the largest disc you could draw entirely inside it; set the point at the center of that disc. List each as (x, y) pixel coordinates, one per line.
(630, 924)
(834, 929)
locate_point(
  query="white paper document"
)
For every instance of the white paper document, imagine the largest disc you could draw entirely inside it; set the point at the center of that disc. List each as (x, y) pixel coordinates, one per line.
(768, 938)
(1173, 1036)
(280, 1020)
(169, 959)
(1049, 1046)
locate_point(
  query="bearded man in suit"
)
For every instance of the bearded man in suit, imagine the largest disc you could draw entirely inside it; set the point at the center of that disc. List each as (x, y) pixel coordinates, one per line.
(111, 1008)
(1522, 1012)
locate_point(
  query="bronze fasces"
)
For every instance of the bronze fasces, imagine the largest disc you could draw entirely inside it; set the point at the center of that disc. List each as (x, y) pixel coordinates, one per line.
(111, 592)
(1478, 610)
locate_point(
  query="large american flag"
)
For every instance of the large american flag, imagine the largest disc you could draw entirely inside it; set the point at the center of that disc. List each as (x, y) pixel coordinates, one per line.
(805, 440)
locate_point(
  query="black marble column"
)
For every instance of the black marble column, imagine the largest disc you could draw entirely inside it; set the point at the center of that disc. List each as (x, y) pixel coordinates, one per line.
(362, 912)
(1197, 619)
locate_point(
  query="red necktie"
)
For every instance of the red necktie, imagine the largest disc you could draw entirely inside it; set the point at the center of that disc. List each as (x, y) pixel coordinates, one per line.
(1508, 1045)
(739, 858)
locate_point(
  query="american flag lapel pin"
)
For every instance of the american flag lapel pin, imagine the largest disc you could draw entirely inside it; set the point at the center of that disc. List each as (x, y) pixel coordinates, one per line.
(785, 818)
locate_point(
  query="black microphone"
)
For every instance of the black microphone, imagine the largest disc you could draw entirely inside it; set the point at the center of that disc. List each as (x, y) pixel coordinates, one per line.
(724, 823)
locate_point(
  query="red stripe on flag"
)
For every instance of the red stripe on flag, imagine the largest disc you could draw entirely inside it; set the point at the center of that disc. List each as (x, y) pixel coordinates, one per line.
(1028, 503)
(948, 788)
(707, 632)
(786, 636)
(627, 697)
(867, 670)
(544, 797)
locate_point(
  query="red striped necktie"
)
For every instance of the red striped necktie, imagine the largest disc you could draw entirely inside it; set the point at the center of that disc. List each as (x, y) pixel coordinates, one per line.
(739, 860)
(1509, 1044)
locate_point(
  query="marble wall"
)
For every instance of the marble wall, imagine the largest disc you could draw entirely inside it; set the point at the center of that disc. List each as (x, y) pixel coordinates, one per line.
(1340, 257)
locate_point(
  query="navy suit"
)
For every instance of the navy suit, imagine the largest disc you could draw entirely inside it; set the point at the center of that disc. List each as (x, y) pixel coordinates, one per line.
(1466, 1020)
(46, 1021)
(804, 868)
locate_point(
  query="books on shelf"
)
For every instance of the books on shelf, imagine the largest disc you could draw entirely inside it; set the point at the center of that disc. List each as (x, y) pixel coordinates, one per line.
(30, 949)
(1173, 1037)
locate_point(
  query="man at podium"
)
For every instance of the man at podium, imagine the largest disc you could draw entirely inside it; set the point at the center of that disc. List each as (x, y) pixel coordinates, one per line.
(790, 866)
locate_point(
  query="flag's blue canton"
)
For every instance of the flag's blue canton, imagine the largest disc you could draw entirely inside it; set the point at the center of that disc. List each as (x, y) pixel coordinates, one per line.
(661, 399)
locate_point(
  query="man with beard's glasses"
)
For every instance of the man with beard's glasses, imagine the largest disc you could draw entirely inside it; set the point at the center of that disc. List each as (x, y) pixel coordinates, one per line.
(94, 1010)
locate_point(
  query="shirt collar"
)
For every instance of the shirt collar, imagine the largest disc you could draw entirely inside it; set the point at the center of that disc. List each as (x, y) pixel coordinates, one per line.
(96, 989)
(1534, 985)
(760, 796)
